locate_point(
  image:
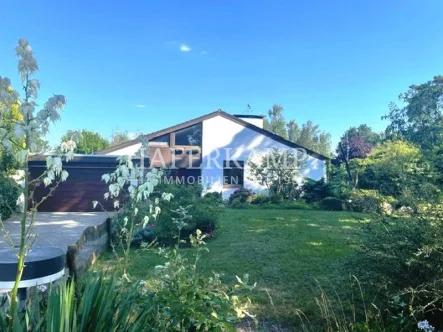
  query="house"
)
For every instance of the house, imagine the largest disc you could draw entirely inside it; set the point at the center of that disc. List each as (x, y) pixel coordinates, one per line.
(214, 150)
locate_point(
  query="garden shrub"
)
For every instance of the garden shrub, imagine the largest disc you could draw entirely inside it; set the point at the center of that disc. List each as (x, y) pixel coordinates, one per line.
(260, 199)
(403, 256)
(368, 201)
(315, 191)
(276, 198)
(189, 301)
(9, 193)
(215, 197)
(331, 204)
(243, 195)
(203, 211)
(236, 203)
(143, 235)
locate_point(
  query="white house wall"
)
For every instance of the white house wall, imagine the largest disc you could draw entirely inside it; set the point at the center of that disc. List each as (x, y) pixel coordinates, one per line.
(254, 121)
(127, 151)
(224, 139)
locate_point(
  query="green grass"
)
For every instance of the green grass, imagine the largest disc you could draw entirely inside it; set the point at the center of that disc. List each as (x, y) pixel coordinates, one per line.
(284, 251)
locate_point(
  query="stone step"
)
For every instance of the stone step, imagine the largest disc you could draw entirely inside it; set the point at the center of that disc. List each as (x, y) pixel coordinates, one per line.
(87, 249)
(86, 257)
(92, 233)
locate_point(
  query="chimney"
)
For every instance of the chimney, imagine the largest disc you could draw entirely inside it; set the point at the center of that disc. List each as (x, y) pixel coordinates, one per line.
(256, 120)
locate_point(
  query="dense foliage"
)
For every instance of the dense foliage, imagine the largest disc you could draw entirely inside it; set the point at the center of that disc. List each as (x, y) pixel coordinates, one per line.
(183, 300)
(331, 204)
(9, 193)
(308, 134)
(89, 143)
(357, 142)
(403, 256)
(240, 196)
(420, 120)
(279, 171)
(202, 214)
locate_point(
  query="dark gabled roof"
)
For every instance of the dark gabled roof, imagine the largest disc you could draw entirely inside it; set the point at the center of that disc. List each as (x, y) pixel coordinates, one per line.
(209, 116)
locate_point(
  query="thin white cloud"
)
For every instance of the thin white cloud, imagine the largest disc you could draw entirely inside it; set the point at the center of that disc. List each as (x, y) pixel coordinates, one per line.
(140, 105)
(204, 52)
(185, 48)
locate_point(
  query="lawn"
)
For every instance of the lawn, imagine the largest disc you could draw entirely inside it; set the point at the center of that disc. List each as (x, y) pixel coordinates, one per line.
(284, 251)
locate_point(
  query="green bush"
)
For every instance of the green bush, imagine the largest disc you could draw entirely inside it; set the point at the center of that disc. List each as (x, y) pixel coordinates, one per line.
(315, 191)
(276, 199)
(260, 199)
(403, 256)
(215, 197)
(331, 204)
(236, 203)
(189, 301)
(368, 201)
(143, 235)
(203, 211)
(243, 195)
(9, 193)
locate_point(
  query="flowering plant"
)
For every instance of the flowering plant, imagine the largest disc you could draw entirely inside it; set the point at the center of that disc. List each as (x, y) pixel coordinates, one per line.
(128, 187)
(22, 140)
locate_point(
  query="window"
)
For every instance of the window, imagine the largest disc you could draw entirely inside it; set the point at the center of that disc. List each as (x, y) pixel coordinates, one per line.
(233, 173)
(163, 139)
(189, 136)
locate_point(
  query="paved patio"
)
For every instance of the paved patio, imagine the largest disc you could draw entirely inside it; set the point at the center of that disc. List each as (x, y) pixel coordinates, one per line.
(55, 229)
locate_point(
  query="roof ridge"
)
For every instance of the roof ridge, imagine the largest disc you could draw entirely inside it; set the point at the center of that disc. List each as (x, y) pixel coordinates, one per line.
(208, 116)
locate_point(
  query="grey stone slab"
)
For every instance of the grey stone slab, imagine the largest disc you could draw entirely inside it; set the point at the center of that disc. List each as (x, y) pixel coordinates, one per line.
(54, 229)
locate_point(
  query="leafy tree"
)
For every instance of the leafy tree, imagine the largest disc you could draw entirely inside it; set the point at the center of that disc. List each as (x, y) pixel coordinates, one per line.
(420, 121)
(42, 145)
(279, 171)
(119, 137)
(276, 122)
(397, 168)
(89, 143)
(313, 138)
(10, 116)
(308, 135)
(357, 142)
(293, 131)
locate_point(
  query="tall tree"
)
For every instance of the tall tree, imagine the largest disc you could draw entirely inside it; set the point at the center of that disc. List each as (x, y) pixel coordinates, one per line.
(9, 117)
(420, 121)
(313, 138)
(276, 121)
(119, 137)
(89, 143)
(308, 135)
(293, 131)
(42, 145)
(357, 142)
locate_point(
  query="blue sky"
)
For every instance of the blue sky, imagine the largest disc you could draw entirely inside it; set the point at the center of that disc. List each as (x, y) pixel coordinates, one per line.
(337, 63)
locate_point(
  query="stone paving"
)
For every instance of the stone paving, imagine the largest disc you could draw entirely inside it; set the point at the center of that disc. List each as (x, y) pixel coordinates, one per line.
(54, 229)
